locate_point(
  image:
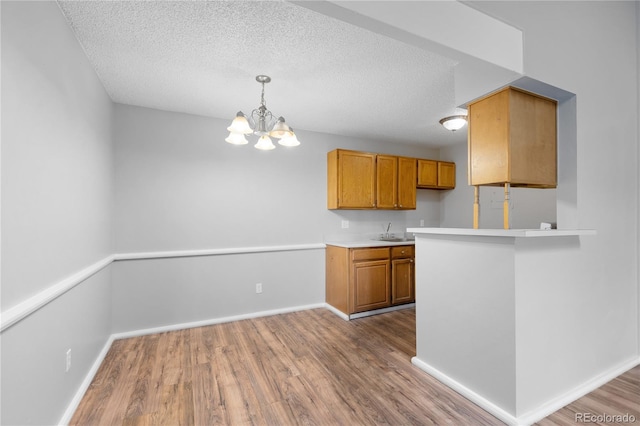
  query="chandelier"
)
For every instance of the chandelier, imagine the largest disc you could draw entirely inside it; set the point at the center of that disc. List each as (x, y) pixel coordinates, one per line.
(261, 123)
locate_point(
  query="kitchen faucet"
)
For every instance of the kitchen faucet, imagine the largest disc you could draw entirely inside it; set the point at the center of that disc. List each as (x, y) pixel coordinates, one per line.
(388, 227)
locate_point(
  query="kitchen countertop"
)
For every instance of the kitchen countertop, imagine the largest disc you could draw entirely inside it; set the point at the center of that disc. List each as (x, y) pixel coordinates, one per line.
(360, 243)
(522, 233)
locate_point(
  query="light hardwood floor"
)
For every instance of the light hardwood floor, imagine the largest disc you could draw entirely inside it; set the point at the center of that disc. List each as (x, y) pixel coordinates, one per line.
(307, 367)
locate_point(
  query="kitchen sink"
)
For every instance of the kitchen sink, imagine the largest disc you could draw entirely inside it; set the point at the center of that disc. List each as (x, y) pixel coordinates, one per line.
(394, 239)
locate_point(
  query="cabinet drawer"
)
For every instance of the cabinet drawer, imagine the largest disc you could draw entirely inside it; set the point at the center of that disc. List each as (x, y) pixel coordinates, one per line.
(402, 251)
(370, 253)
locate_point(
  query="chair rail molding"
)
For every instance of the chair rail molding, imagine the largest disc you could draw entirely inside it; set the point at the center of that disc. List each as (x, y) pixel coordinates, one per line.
(27, 307)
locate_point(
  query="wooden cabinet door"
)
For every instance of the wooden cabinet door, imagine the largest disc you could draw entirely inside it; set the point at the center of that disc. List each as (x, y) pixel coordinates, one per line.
(370, 285)
(513, 139)
(402, 281)
(446, 175)
(356, 180)
(427, 174)
(387, 182)
(407, 170)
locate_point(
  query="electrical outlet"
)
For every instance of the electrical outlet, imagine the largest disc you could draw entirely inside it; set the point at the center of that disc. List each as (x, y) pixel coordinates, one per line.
(421, 222)
(259, 288)
(68, 364)
(345, 224)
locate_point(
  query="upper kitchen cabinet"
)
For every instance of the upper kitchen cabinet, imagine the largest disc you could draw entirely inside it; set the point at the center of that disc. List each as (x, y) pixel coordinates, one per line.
(351, 180)
(434, 174)
(395, 182)
(407, 171)
(512, 140)
(363, 180)
(446, 175)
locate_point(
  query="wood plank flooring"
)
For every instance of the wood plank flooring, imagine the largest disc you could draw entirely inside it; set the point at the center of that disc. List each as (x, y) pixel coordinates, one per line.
(302, 368)
(618, 397)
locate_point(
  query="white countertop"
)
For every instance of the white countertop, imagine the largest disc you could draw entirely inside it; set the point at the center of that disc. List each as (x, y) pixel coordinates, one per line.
(520, 233)
(369, 243)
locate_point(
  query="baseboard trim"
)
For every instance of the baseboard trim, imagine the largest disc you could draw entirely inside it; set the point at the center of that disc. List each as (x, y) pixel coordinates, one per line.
(381, 311)
(221, 320)
(368, 313)
(337, 312)
(75, 402)
(555, 404)
(466, 392)
(539, 413)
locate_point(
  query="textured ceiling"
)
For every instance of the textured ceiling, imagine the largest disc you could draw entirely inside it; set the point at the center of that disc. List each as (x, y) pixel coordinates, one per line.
(201, 57)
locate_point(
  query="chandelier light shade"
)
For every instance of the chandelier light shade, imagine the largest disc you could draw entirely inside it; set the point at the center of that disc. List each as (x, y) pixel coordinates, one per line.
(236, 139)
(261, 123)
(454, 122)
(289, 140)
(264, 143)
(240, 125)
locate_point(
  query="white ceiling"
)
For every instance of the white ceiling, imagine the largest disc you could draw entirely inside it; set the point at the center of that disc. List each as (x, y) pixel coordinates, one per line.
(201, 57)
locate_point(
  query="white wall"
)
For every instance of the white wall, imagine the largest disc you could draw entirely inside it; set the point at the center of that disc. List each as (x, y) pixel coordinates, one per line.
(57, 197)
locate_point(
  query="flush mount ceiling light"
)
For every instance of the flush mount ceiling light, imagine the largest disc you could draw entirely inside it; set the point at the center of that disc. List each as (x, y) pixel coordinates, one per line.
(454, 122)
(261, 123)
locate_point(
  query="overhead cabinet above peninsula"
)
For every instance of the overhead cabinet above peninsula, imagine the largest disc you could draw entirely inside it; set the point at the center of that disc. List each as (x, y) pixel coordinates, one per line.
(512, 143)
(365, 180)
(512, 140)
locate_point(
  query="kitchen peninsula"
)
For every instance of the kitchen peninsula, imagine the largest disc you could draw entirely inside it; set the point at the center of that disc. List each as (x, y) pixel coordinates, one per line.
(498, 316)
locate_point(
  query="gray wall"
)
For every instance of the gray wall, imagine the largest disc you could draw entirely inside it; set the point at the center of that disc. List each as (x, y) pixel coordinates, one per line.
(561, 41)
(57, 156)
(174, 191)
(170, 183)
(179, 186)
(57, 198)
(529, 207)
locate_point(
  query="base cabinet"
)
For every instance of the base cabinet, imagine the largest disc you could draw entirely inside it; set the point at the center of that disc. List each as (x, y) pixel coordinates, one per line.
(402, 283)
(370, 285)
(364, 279)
